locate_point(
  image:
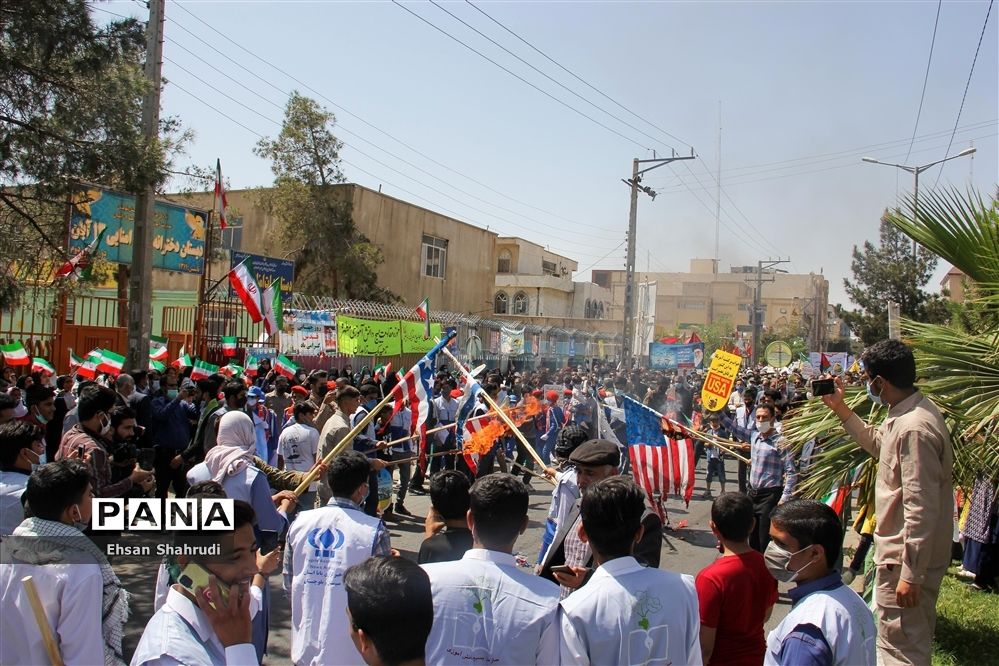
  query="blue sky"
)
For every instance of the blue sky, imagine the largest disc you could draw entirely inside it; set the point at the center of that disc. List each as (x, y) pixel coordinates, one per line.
(806, 90)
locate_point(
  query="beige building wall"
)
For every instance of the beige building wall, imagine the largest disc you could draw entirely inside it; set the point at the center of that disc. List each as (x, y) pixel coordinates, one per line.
(701, 296)
(395, 226)
(534, 282)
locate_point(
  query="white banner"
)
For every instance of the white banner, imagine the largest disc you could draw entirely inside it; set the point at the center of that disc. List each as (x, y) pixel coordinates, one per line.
(512, 341)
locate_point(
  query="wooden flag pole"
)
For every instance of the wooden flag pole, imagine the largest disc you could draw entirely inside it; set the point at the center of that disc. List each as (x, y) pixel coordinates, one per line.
(43, 624)
(354, 432)
(499, 412)
(697, 434)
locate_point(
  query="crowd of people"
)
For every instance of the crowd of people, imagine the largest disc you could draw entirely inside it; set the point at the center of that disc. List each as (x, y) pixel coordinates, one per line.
(598, 592)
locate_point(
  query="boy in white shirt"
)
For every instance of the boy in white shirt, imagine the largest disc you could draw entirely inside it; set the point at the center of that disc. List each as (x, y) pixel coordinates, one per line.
(626, 613)
(299, 446)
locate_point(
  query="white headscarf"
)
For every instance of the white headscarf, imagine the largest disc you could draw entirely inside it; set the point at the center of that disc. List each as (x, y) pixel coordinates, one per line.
(237, 444)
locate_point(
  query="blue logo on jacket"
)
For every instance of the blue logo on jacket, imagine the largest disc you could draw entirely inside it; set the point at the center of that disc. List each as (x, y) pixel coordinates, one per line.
(325, 541)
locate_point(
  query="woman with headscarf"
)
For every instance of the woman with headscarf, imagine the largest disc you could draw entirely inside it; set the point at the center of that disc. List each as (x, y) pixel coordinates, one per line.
(230, 463)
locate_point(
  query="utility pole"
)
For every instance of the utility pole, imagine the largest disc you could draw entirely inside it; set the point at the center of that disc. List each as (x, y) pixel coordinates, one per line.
(756, 317)
(140, 281)
(629, 283)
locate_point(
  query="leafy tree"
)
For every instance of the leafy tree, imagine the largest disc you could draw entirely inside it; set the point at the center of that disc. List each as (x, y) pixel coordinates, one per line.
(70, 111)
(890, 273)
(335, 258)
(957, 364)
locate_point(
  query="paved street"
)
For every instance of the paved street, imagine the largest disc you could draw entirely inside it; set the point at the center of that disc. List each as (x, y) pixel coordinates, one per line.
(685, 550)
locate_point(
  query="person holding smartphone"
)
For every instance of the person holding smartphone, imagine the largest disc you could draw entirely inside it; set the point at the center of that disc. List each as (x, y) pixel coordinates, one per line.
(206, 616)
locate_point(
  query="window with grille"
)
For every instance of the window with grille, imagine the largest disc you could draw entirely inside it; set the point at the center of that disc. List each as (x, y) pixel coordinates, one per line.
(500, 303)
(434, 256)
(231, 238)
(505, 259)
(548, 268)
(520, 304)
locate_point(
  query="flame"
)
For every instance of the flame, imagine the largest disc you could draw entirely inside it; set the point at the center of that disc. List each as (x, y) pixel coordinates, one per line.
(482, 441)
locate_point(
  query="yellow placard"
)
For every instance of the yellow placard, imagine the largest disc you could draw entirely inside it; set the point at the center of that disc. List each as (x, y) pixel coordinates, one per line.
(720, 379)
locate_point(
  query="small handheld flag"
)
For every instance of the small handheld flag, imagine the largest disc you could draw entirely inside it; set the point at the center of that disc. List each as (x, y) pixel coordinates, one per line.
(203, 370)
(229, 345)
(79, 265)
(39, 364)
(15, 354)
(158, 348)
(423, 312)
(284, 366)
(111, 362)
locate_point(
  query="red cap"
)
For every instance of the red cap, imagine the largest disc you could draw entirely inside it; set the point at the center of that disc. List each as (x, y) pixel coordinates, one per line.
(300, 390)
(331, 385)
(537, 393)
(552, 396)
(567, 391)
(457, 393)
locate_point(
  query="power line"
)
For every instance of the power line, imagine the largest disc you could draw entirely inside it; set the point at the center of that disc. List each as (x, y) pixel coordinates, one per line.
(354, 147)
(965, 95)
(615, 249)
(926, 77)
(406, 145)
(517, 76)
(676, 188)
(849, 152)
(576, 76)
(555, 81)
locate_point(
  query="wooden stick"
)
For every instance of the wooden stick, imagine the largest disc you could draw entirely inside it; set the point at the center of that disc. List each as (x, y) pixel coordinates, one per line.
(43, 624)
(696, 434)
(313, 474)
(443, 427)
(499, 412)
(437, 454)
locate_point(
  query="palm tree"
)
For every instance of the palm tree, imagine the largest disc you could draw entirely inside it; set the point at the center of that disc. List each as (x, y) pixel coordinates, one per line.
(957, 364)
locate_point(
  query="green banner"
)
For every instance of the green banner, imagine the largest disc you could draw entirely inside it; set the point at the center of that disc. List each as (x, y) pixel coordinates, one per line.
(412, 337)
(367, 337)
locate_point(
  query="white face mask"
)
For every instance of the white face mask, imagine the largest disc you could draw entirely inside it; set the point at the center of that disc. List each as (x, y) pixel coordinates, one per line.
(105, 426)
(78, 522)
(777, 560)
(763, 426)
(251, 402)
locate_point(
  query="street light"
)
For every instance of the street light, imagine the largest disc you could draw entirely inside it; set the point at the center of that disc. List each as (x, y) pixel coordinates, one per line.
(915, 171)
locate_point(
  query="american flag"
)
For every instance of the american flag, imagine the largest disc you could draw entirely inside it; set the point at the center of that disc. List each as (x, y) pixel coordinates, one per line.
(417, 386)
(660, 463)
(465, 427)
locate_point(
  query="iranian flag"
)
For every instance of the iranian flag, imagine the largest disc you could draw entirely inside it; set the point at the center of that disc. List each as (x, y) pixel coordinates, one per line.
(15, 354)
(203, 370)
(245, 285)
(273, 310)
(74, 360)
(156, 365)
(423, 312)
(231, 370)
(382, 371)
(79, 265)
(89, 367)
(220, 203)
(183, 359)
(39, 364)
(229, 345)
(251, 364)
(284, 366)
(111, 363)
(158, 348)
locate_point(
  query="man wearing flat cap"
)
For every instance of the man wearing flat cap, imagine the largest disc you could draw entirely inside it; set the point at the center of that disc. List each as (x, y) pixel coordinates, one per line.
(595, 460)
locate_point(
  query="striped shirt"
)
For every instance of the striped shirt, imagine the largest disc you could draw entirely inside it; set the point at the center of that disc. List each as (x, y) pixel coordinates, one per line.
(771, 462)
